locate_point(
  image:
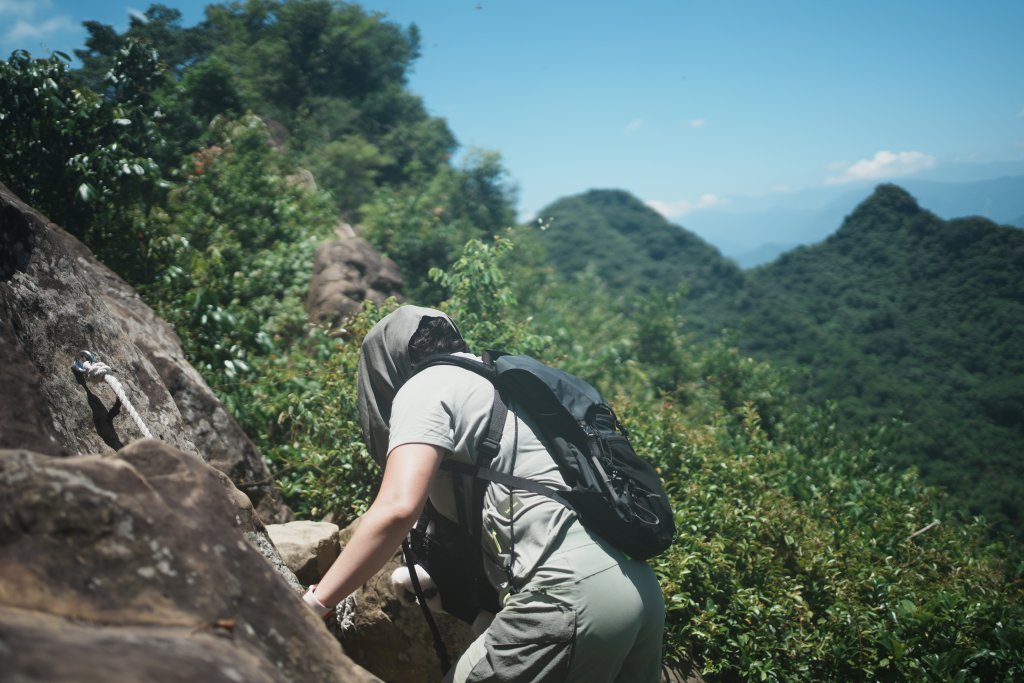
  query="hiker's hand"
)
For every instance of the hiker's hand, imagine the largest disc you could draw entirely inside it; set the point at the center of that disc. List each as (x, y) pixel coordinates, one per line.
(403, 492)
(320, 608)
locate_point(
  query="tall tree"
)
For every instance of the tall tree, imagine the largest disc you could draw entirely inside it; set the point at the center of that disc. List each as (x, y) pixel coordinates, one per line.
(83, 158)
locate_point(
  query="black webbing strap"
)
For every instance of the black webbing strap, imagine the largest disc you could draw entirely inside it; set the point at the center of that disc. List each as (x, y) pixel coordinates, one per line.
(491, 443)
(489, 447)
(439, 648)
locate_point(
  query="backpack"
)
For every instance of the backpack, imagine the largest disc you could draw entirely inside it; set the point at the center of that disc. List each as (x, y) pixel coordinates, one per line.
(442, 547)
(614, 491)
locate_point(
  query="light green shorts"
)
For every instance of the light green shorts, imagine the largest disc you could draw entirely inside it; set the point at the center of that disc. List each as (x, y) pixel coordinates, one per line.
(589, 614)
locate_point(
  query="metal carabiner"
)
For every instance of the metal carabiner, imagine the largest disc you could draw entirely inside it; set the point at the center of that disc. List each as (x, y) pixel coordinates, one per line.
(79, 365)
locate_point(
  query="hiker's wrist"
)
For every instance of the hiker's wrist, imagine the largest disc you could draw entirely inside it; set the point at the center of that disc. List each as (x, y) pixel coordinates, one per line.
(310, 599)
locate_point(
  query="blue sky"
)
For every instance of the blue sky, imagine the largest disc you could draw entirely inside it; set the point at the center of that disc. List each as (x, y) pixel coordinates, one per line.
(688, 105)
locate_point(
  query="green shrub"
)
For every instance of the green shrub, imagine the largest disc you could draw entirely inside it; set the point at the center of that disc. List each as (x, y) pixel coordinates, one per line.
(303, 413)
(239, 252)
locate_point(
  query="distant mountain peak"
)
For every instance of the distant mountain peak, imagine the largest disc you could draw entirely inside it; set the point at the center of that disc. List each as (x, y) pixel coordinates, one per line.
(884, 209)
(893, 197)
(616, 197)
(632, 246)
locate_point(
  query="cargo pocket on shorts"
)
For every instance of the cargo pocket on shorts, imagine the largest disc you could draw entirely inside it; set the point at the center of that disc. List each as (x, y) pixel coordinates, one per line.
(532, 641)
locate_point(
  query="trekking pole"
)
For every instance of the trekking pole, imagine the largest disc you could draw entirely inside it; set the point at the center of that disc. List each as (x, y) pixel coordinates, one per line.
(439, 649)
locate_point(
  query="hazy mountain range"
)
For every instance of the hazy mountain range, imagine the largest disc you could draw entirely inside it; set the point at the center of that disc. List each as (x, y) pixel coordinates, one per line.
(755, 230)
(894, 312)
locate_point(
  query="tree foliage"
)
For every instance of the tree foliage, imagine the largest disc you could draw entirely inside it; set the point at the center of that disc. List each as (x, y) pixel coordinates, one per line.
(235, 274)
(329, 76)
(423, 226)
(83, 158)
(905, 316)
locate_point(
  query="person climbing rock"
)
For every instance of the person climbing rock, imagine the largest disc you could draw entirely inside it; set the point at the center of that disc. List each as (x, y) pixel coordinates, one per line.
(574, 608)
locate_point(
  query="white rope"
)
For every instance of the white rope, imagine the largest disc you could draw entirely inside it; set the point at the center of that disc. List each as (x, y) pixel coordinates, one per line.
(97, 372)
(345, 613)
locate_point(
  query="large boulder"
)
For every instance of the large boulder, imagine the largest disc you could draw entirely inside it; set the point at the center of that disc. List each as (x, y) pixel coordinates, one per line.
(346, 272)
(139, 566)
(307, 548)
(56, 300)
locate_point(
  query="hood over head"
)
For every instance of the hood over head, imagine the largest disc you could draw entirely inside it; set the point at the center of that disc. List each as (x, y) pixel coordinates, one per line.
(384, 366)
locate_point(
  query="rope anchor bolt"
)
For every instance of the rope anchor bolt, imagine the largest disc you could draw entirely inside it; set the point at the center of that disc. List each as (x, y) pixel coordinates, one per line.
(88, 369)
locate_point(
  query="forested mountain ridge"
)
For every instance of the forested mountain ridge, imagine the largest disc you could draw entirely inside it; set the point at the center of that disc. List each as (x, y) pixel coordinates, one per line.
(899, 315)
(902, 314)
(756, 230)
(630, 246)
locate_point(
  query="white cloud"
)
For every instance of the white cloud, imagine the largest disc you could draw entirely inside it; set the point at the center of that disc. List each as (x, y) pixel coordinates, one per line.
(884, 164)
(681, 207)
(23, 8)
(633, 126)
(24, 30)
(697, 123)
(1020, 114)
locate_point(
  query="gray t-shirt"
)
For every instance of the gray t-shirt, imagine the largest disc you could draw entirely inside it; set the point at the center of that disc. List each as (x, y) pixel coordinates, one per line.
(449, 407)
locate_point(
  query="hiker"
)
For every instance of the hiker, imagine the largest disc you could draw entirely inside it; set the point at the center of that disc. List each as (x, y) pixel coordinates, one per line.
(573, 607)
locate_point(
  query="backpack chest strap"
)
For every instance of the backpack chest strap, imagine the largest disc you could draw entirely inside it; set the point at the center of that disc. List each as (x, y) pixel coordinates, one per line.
(509, 480)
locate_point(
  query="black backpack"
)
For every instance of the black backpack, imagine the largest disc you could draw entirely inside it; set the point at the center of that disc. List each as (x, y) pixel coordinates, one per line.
(614, 491)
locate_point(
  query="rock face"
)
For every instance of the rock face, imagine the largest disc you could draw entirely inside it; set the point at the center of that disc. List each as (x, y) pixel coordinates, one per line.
(346, 272)
(136, 566)
(56, 299)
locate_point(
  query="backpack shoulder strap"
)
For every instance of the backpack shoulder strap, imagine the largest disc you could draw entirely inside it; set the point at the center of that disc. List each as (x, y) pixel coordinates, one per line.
(525, 374)
(480, 367)
(490, 444)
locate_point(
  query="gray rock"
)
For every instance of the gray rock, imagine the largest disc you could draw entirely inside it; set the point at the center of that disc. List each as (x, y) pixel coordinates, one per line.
(56, 299)
(347, 272)
(307, 548)
(134, 566)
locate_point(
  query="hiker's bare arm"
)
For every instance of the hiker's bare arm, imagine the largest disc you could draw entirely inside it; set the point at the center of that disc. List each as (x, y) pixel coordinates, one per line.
(403, 492)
